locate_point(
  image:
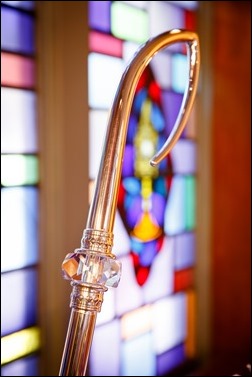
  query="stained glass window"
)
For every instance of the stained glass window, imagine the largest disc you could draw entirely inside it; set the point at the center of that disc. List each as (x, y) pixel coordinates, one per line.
(149, 320)
(20, 334)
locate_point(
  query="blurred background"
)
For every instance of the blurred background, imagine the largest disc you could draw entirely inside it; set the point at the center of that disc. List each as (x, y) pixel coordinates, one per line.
(183, 306)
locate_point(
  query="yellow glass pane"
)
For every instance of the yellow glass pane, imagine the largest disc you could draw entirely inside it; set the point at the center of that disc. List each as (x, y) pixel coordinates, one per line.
(19, 344)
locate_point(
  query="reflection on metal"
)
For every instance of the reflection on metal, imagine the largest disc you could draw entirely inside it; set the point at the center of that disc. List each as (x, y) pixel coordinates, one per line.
(93, 267)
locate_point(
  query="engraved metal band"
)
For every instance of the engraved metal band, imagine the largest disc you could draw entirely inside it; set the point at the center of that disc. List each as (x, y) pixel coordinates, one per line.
(86, 298)
(97, 240)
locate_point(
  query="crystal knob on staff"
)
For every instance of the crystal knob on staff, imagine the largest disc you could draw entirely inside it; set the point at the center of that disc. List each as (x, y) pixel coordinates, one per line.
(93, 268)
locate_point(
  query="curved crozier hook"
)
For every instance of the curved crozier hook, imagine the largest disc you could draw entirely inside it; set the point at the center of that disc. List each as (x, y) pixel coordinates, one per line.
(103, 206)
(186, 105)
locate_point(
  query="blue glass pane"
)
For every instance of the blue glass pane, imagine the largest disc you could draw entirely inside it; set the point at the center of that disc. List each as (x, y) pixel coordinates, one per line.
(180, 72)
(17, 31)
(175, 214)
(193, 5)
(29, 366)
(99, 15)
(170, 360)
(18, 299)
(19, 222)
(138, 358)
(18, 128)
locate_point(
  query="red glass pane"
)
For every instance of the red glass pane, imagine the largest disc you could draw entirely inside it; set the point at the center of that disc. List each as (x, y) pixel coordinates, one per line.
(17, 71)
(183, 279)
(105, 44)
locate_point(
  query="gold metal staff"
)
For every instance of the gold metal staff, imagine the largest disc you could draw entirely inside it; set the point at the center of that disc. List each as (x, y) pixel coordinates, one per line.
(93, 267)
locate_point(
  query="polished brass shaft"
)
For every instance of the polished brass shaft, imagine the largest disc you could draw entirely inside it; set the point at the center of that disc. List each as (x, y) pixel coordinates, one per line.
(98, 235)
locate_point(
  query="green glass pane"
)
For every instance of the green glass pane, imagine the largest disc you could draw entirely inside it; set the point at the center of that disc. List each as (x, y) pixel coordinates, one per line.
(19, 170)
(190, 203)
(129, 23)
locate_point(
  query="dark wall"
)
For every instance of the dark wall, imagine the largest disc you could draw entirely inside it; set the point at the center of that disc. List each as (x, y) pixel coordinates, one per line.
(231, 177)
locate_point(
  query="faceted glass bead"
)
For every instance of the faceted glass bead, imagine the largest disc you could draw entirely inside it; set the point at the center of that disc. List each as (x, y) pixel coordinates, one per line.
(94, 268)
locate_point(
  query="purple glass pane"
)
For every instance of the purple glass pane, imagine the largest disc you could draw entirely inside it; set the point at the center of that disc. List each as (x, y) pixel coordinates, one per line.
(132, 127)
(99, 15)
(170, 360)
(18, 300)
(128, 162)
(158, 208)
(148, 256)
(134, 208)
(184, 157)
(17, 31)
(171, 104)
(185, 251)
(28, 366)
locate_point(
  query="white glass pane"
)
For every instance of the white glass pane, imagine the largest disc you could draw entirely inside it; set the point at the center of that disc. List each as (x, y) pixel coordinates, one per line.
(97, 129)
(121, 237)
(105, 351)
(138, 358)
(129, 50)
(164, 17)
(104, 74)
(108, 307)
(19, 217)
(18, 127)
(29, 5)
(161, 65)
(18, 312)
(161, 278)
(138, 4)
(128, 293)
(19, 170)
(169, 322)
